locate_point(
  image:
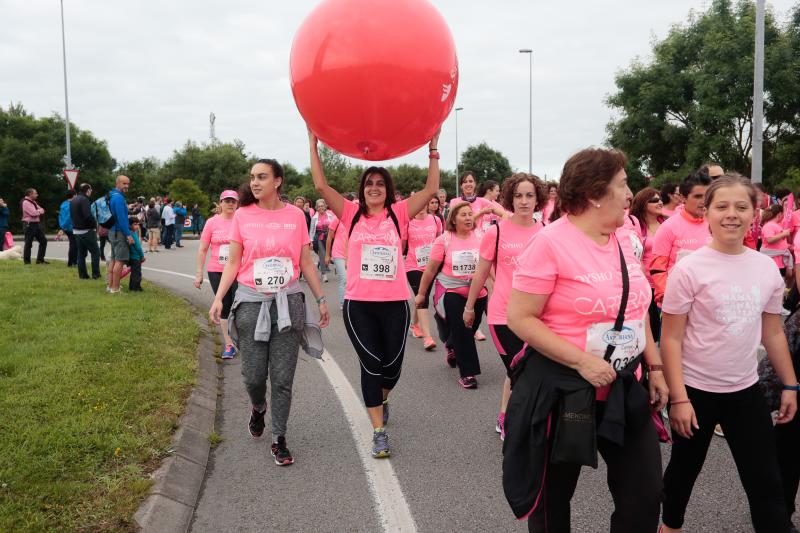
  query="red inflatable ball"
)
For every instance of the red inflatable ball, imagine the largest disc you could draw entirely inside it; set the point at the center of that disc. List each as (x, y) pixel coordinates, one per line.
(374, 79)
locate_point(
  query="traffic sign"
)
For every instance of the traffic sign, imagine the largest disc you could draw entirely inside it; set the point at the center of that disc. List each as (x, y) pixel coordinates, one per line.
(71, 176)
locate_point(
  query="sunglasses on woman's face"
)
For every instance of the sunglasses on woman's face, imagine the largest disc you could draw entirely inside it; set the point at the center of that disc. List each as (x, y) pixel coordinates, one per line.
(654, 200)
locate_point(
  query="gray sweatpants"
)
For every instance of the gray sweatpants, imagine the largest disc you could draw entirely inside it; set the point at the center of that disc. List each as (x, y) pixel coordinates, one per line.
(276, 359)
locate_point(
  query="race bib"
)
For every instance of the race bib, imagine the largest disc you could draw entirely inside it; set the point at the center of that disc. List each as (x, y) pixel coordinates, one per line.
(379, 262)
(422, 253)
(270, 274)
(629, 342)
(224, 254)
(465, 262)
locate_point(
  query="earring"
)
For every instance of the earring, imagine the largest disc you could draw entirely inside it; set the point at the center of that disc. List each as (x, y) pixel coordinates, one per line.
(597, 206)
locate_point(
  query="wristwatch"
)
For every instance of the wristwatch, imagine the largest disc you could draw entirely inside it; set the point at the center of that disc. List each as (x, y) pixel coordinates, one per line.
(321, 299)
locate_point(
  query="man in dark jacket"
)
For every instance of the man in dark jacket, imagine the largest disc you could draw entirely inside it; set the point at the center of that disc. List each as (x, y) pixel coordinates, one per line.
(84, 224)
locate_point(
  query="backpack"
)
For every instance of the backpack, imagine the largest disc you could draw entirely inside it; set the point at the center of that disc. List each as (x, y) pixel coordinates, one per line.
(101, 209)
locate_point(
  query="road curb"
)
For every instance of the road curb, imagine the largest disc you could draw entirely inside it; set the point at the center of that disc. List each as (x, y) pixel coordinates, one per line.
(176, 484)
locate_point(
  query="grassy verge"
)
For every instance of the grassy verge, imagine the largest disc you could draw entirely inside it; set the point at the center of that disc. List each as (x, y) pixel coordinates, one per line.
(91, 386)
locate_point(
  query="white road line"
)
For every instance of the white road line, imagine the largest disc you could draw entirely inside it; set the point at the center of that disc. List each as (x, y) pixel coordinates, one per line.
(393, 511)
(173, 273)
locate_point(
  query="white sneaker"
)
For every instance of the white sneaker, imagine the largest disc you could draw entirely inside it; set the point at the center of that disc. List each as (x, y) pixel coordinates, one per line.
(325, 278)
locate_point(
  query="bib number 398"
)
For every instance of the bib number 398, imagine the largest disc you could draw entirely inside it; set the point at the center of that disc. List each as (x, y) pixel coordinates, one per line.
(378, 262)
(270, 274)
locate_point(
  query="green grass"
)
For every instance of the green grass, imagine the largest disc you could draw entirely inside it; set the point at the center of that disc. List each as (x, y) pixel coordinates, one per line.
(91, 387)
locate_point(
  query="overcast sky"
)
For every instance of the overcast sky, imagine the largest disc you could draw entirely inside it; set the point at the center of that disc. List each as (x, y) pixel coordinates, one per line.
(144, 75)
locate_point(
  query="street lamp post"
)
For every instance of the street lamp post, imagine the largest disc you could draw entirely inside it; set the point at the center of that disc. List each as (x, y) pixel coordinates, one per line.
(530, 107)
(68, 157)
(758, 96)
(457, 110)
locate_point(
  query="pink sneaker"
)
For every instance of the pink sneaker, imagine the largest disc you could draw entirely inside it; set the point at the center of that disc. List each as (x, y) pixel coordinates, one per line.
(479, 336)
(429, 344)
(415, 331)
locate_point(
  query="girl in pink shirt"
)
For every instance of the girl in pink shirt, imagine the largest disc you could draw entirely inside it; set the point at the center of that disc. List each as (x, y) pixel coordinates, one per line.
(376, 313)
(523, 195)
(216, 234)
(774, 241)
(268, 248)
(422, 230)
(547, 210)
(564, 303)
(453, 262)
(720, 302)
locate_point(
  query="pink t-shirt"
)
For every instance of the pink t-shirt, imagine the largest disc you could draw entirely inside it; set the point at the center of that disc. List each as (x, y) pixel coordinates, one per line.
(339, 248)
(513, 240)
(216, 232)
(279, 234)
(548, 211)
(770, 229)
(679, 236)
(375, 268)
(723, 297)
(461, 257)
(584, 283)
(421, 234)
(666, 213)
(483, 224)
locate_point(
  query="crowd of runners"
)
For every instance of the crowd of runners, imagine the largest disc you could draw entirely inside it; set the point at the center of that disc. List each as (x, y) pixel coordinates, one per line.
(614, 315)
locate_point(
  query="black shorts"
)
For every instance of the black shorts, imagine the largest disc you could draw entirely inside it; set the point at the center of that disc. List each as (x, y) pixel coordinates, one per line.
(414, 278)
(507, 343)
(227, 302)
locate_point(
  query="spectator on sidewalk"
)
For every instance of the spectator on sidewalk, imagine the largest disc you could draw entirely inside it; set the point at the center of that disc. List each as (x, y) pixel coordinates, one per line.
(153, 222)
(65, 225)
(84, 224)
(168, 216)
(31, 223)
(4, 213)
(136, 257)
(180, 220)
(197, 227)
(119, 235)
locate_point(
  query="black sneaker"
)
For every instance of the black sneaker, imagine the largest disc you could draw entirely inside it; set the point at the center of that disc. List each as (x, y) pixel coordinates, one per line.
(450, 357)
(282, 455)
(256, 424)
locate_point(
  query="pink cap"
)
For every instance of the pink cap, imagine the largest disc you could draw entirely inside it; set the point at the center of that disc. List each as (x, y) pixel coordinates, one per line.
(229, 194)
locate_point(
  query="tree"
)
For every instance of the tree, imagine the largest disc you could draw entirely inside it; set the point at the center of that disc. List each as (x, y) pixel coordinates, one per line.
(147, 177)
(214, 167)
(693, 103)
(31, 152)
(188, 193)
(485, 162)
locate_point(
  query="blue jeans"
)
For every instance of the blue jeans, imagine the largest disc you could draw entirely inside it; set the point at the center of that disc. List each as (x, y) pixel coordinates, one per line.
(169, 235)
(178, 233)
(341, 274)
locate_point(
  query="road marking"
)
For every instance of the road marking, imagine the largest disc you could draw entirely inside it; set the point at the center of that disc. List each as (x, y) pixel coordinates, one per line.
(173, 273)
(393, 511)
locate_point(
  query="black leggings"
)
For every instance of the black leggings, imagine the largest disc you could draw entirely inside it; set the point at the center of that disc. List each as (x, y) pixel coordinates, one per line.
(456, 335)
(747, 424)
(378, 333)
(414, 277)
(508, 345)
(787, 438)
(634, 479)
(227, 301)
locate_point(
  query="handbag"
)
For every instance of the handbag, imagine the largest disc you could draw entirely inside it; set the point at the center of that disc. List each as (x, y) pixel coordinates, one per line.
(9, 240)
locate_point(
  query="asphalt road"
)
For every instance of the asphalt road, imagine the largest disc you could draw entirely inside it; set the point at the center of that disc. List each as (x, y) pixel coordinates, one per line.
(446, 455)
